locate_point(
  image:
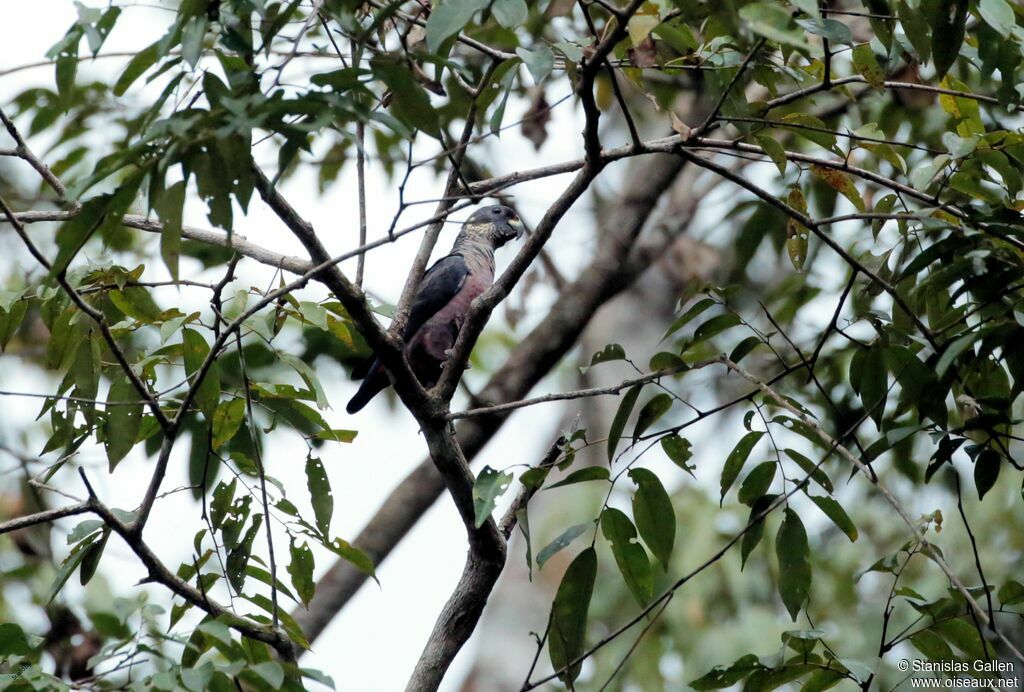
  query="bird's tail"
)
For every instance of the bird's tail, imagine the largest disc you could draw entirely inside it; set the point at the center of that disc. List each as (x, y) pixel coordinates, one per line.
(376, 380)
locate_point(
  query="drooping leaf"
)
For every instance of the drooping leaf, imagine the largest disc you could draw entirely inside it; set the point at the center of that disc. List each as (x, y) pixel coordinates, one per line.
(649, 414)
(736, 459)
(621, 416)
(654, 515)
(590, 473)
(793, 554)
(321, 496)
(124, 418)
(195, 351)
(568, 628)
(629, 555)
(300, 568)
(834, 511)
(986, 471)
(757, 482)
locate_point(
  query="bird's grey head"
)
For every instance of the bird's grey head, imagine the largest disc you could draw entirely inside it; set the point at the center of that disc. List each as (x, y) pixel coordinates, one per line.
(496, 225)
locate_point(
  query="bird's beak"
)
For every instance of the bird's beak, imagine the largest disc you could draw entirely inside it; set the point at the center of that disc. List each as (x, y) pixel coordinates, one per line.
(518, 226)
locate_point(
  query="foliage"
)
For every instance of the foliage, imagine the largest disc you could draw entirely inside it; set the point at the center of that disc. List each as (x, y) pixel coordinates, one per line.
(901, 218)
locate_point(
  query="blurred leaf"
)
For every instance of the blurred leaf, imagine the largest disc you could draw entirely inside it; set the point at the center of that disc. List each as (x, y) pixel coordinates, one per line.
(195, 350)
(564, 539)
(226, 420)
(867, 66)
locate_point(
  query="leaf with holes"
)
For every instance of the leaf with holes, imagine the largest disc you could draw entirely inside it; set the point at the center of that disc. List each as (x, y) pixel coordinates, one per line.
(489, 486)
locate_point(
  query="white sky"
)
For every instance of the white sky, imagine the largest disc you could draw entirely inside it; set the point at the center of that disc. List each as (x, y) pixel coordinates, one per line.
(374, 644)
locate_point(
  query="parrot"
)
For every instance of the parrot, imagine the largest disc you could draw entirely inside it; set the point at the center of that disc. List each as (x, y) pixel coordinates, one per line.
(443, 297)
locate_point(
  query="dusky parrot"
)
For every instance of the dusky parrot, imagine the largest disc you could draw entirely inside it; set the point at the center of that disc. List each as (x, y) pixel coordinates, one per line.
(443, 298)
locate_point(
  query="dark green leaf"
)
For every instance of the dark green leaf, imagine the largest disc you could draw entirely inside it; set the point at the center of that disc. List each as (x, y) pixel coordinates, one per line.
(169, 207)
(121, 429)
(678, 450)
(654, 515)
(757, 482)
(568, 629)
(753, 535)
(226, 421)
(793, 554)
(141, 62)
(195, 350)
(300, 568)
(1011, 593)
(737, 457)
(654, 409)
(13, 641)
(834, 511)
(590, 473)
(986, 470)
(621, 416)
(320, 494)
(353, 555)
(629, 555)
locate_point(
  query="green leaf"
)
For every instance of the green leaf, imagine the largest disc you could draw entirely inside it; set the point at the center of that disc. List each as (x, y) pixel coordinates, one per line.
(195, 351)
(916, 29)
(774, 150)
(1011, 593)
(489, 486)
(948, 19)
(775, 23)
(814, 471)
(168, 206)
(410, 102)
(564, 539)
(226, 421)
(336, 435)
(121, 429)
(141, 62)
(834, 511)
(654, 515)
(629, 555)
(68, 567)
(721, 677)
(510, 13)
(309, 376)
(736, 459)
(568, 628)
(678, 450)
(695, 310)
(986, 471)
(654, 409)
(608, 353)
(353, 555)
(320, 494)
(300, 568)
(797, 239)
(866, 64)
(757, 482)
(999, 15)
(812, 129)
(590, 473)
(753, 535)
(932, 646)
(13, 641)
(91, 558)
(621, 416)
(794, 563)
(448, 19)
(539, 62)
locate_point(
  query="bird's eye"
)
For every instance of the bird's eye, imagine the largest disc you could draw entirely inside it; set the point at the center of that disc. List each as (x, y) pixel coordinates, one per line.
(496, 211)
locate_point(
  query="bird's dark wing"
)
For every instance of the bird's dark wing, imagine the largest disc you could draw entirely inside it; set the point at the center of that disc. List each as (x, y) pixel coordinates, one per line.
(440, 284)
